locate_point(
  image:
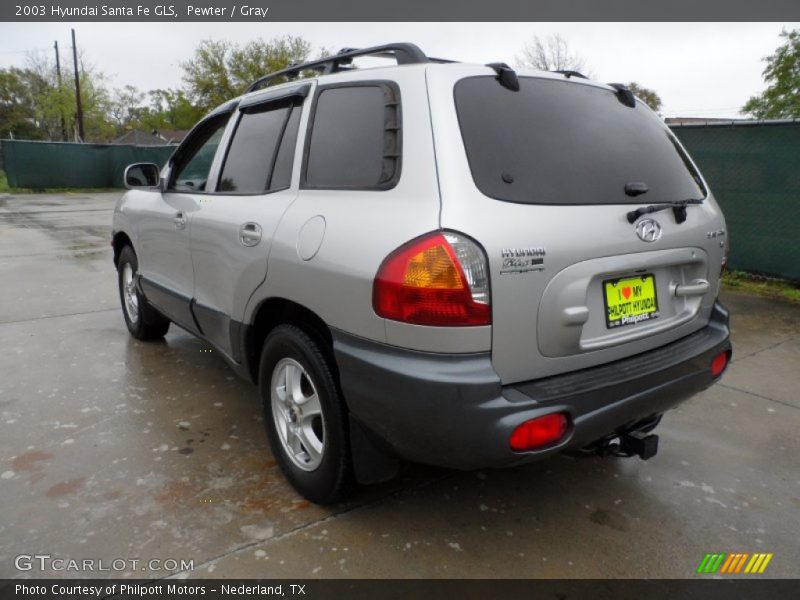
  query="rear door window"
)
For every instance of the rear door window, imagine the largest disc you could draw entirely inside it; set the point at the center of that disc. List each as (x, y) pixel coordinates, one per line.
(260, 155)
(560, 142)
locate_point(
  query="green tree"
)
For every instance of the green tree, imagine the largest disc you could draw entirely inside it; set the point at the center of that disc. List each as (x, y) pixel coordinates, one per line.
(45, 103)
(781, 99)
(169, 109)
(221, 70)
(17, 117)
(52, 104)
(652, 99)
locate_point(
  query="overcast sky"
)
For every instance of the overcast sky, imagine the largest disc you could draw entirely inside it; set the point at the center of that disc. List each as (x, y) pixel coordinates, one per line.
(698, 69)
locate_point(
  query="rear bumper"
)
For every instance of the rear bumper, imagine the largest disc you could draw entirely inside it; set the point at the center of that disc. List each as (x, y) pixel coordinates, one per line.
(452, 411)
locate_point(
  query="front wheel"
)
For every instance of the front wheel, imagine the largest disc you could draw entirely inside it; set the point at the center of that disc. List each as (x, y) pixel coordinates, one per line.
(143, 321)
(304, 415)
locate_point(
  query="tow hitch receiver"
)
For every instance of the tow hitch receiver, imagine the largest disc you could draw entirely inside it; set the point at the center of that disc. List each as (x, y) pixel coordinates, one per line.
(638, 443)
(634, 443)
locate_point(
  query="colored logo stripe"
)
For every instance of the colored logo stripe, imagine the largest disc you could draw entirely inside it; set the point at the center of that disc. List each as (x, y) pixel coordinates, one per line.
(721, 562)
(758, 563)
(741, 562)
(732, 558)
(734, 563)
(711, 563)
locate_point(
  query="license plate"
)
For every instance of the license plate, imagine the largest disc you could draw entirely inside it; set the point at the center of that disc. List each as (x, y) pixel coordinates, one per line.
(630, 300)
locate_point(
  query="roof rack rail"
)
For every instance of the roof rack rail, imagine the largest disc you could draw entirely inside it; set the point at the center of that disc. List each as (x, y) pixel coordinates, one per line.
(403, 52)
(505, 75)
(569, 74)
(624, 95)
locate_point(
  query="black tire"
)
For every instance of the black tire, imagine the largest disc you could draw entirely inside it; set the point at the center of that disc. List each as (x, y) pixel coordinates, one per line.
(328, 481)
(145, 323)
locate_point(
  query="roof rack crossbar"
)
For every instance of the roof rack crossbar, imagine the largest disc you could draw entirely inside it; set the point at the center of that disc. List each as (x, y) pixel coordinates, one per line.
(403, 52)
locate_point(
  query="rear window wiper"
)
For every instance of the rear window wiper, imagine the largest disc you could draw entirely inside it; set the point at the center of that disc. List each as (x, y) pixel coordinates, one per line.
(678, 207)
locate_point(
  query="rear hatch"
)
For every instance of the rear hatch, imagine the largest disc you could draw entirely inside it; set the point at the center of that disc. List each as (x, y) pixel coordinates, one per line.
(544, 178)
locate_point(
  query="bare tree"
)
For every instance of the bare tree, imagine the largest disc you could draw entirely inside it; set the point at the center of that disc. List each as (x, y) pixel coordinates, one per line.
(551, 53)
(125, 107)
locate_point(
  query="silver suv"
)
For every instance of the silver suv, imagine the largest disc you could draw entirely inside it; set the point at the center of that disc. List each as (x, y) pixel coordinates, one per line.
(447, 263)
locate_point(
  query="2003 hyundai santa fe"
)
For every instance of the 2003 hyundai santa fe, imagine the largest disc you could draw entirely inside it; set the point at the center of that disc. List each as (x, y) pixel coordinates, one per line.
(454, 264)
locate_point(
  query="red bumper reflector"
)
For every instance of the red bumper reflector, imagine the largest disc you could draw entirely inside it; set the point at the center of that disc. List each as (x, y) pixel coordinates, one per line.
(539, 432)
(719, 363)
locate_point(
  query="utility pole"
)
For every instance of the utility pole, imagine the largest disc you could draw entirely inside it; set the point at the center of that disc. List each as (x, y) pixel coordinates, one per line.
(77, 88)
(61, 109)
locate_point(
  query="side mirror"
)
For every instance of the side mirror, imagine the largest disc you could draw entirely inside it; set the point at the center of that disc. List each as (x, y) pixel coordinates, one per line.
(142, 176)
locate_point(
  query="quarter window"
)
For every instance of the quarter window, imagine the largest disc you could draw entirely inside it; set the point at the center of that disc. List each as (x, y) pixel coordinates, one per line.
(355, 138)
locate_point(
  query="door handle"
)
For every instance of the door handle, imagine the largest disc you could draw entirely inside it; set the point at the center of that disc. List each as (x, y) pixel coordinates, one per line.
(696, 288)
(250, 234)
(180, 220)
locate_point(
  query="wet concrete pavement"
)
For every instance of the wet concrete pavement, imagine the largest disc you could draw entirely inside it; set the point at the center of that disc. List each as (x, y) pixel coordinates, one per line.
(115, 449)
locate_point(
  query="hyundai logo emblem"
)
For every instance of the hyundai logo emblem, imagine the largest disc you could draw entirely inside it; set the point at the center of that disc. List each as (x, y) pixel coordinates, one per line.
(648, 230)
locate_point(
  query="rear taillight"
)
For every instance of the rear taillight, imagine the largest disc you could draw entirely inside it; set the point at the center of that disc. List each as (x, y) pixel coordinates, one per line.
(539, 432)
(439, 279)
(719, 363)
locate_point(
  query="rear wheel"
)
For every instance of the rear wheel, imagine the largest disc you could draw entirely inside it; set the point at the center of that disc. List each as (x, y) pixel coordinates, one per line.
(304, 415)
(143, 321)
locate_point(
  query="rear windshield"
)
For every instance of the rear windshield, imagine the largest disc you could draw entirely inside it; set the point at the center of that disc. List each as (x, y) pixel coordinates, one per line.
(559, 142)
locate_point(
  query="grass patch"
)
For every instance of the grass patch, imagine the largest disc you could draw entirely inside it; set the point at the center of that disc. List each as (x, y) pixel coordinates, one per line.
(4, 189)
(762, 286)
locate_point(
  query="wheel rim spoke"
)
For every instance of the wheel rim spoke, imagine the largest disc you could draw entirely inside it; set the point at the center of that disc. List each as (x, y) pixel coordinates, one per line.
(294, 375)
(312, 444)
(281, 389)
(295, 442)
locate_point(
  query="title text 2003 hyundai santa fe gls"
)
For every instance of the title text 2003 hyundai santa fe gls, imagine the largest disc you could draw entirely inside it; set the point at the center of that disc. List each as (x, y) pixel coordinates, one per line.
(454, 264)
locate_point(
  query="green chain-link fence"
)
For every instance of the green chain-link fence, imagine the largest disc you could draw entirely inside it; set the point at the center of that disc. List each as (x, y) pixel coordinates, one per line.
(41, 165)
(753, 170)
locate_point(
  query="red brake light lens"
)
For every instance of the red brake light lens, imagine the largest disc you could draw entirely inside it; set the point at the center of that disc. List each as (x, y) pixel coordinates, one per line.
(719, 363)
(439, 279)
(539, 432)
